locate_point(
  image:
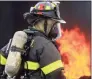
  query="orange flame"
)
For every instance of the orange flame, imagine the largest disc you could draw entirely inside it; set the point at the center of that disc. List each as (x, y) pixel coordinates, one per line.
(75, 52)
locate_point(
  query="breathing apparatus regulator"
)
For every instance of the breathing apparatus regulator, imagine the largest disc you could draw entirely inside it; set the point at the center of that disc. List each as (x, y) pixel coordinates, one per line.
(46, 10)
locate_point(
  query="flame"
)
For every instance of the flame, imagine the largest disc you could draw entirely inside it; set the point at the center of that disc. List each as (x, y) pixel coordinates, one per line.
(75, 52)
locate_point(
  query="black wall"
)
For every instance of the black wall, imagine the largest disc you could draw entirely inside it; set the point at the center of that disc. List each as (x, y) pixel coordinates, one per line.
(11, 17)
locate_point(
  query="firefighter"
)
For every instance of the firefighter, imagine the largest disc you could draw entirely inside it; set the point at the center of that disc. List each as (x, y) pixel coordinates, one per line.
(42, 60)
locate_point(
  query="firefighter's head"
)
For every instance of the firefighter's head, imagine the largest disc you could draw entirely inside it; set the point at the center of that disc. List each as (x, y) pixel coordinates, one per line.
(45, 16)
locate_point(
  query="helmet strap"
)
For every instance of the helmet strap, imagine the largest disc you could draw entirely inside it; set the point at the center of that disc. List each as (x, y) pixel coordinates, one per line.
(45, 26)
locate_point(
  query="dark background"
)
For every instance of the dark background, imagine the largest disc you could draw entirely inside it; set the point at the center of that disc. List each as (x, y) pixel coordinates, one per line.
(73, 12)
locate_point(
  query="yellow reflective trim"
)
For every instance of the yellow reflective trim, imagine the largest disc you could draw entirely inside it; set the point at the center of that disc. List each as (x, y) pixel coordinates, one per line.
(38, 7)
(47, 8)
(51, 67)
(2, 60)
(35, 6)
(31, 65)
(53, 5)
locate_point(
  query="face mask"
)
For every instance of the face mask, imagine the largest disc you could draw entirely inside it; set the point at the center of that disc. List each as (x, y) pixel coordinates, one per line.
(55, 32)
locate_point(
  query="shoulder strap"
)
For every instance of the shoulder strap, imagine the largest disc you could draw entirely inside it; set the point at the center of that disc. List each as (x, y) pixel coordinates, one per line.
(34, 32)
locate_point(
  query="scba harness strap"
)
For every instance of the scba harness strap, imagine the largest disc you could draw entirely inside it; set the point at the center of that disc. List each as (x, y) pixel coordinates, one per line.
(31, 66)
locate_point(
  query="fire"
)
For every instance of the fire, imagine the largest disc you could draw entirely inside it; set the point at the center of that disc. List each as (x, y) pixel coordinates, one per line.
(75, 52)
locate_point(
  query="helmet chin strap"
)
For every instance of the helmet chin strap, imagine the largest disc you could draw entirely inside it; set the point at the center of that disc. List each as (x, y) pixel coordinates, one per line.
(45, 26)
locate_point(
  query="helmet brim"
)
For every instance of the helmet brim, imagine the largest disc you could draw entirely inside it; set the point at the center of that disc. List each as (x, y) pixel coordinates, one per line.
(60, 21)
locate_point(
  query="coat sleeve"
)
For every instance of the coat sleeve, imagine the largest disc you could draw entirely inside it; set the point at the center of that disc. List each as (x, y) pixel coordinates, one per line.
(4, 53)
(50, 62)
(3, 56)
